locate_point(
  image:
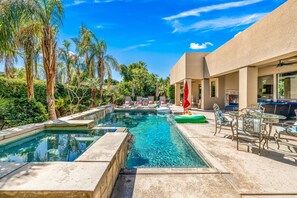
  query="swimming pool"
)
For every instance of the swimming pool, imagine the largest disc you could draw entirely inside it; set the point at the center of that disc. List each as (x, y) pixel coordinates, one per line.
(50, 145)
(158, 143)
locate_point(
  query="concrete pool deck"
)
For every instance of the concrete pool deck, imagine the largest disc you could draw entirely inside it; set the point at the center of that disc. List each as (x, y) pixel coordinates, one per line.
(240, 173)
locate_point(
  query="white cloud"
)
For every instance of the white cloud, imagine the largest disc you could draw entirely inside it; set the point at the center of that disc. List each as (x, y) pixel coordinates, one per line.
(137, 46)
(223, 6)
(197, 46)
(219, 23)
(147, 43)
(75, 2)
(99, 27)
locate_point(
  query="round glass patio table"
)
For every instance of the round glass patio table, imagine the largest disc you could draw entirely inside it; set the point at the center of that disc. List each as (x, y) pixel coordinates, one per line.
(268, 118)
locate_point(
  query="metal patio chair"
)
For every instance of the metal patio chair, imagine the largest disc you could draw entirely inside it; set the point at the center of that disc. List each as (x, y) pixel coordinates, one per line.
(252, 130)
(286, 135)
(222, 120)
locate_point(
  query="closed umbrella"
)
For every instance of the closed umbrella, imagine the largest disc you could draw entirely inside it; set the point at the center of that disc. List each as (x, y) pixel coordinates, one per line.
(186, 103)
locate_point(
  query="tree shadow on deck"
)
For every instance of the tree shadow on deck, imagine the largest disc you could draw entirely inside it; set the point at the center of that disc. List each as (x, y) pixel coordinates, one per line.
(124, 186)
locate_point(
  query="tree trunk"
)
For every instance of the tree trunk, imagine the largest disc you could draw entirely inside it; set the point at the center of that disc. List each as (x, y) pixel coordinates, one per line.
(78, 76)
(29, 73)
(94, 94)
(49, 63)
(100, 70)
(8, 66)
(68, 73)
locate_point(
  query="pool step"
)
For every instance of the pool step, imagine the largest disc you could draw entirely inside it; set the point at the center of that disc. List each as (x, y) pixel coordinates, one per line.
(70, 123)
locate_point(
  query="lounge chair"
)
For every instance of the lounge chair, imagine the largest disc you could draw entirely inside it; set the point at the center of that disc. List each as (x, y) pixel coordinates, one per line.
(139, 102)
(151, 103)
(222, 120)
(128, 102)
(163, 101)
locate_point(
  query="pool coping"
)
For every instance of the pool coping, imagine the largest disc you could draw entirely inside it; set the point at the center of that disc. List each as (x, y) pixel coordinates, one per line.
(108, 164)
(67, 122)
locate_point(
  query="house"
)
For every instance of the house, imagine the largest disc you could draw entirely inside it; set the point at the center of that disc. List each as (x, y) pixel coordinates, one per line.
(259, 64)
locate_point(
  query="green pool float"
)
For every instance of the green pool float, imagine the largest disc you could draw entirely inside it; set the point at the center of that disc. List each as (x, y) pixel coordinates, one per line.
(190, 118)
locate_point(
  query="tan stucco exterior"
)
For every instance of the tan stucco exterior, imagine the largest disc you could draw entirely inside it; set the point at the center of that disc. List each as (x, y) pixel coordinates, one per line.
(238, 63)
(189, 66)
(272, 38)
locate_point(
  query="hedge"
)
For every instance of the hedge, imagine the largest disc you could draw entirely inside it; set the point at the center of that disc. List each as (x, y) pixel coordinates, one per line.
(17, 88)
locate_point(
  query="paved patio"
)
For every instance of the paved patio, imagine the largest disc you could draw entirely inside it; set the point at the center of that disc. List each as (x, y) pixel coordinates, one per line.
(240, 173)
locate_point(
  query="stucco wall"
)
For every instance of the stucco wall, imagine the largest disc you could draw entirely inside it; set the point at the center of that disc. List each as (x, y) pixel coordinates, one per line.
(276, 70)
(195, 65)
(189, 66)
(178, 71)
(232, 81)
(271, 38)
(207, 101)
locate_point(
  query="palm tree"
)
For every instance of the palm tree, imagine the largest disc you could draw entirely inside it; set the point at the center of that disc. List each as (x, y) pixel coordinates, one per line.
(7, 32)
(75, 61)
(83, 47)
(65, 56)
(27, 40)
(105, 63)
(19, 30)
(49, 14)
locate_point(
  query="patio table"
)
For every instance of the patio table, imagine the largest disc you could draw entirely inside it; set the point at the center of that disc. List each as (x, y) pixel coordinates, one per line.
(268, 118)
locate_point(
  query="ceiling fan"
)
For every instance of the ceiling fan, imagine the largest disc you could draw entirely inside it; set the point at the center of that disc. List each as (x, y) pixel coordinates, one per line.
(281, 63)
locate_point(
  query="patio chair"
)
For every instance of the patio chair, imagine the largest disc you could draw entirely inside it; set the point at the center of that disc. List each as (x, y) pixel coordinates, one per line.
(222, 120)
(139, 102)
(286, 135)
(151, 101)
(256, 107)
(163, 101)
(128, 102)
(252, 130)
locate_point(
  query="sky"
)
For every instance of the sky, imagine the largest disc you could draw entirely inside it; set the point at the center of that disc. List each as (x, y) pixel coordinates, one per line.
(159, 32)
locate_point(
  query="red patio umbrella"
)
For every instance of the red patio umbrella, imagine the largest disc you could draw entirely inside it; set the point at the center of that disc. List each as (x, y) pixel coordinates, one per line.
(186, 103)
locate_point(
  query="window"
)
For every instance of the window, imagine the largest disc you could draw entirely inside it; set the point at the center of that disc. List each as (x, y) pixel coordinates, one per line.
(214, 88)
(287, 88)
(265, 87)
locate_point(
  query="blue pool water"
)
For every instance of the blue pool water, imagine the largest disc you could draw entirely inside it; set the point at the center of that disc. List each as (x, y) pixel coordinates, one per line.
(158, 143)
(49, 146)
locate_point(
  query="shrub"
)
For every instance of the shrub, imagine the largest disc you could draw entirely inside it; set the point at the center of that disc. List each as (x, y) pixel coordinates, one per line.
(3, 111)
(21, 111)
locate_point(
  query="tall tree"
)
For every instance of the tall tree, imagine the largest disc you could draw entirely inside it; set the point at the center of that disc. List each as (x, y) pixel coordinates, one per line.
(27, 40)
(105, 62)
(83, 47)
(65, 56)
(49, 14)
(8, 28)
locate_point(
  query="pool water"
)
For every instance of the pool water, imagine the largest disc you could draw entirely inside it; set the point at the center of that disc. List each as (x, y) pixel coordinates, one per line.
(158, 143)
(49, 146)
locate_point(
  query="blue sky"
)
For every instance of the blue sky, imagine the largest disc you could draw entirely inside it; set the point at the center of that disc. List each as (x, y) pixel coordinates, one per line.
(158, 32)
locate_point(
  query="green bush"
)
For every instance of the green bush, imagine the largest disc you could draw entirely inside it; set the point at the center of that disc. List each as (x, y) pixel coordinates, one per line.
(21, 111)
(17, 88)
(3, 111)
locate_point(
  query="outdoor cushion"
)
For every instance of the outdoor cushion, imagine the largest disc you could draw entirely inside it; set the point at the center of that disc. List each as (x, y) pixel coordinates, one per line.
(127, 102)
(151, 102)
